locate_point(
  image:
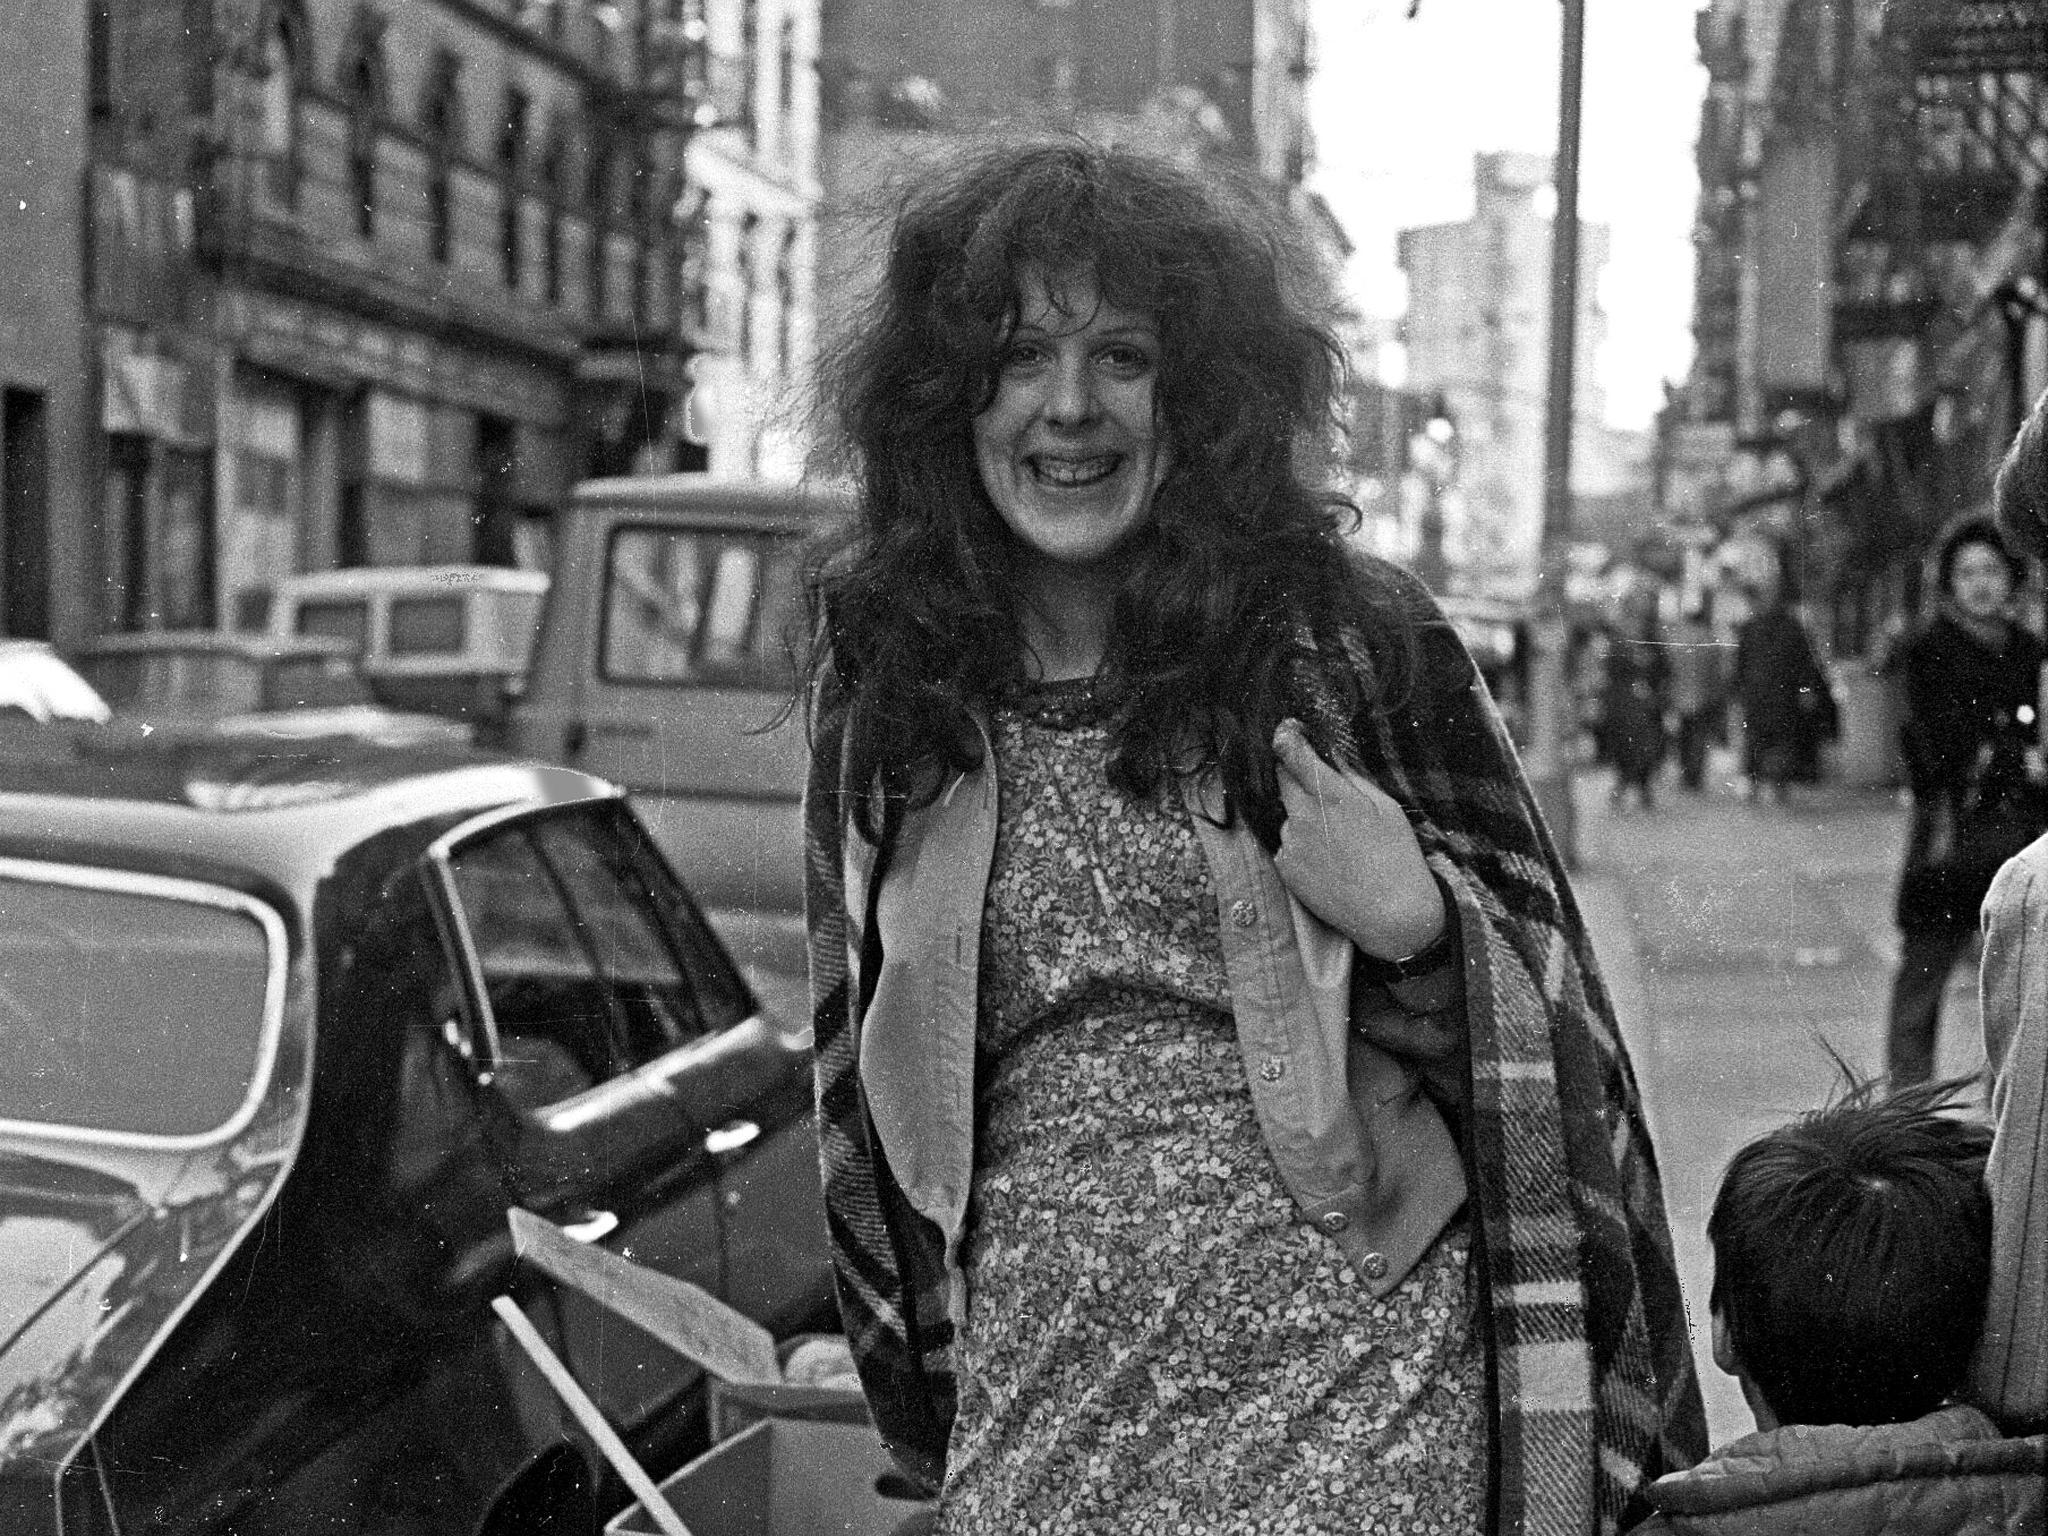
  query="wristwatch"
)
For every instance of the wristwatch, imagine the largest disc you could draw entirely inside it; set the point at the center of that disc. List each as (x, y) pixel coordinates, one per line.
(1433, 956)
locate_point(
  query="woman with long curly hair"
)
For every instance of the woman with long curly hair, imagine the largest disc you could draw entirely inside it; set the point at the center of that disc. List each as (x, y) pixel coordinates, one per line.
(1224, 1125)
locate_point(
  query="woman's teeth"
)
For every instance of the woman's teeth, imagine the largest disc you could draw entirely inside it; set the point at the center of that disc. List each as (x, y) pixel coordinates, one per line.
(1075, 472)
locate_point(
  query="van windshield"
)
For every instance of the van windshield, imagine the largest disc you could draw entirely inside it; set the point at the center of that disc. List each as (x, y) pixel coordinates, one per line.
(698, 606)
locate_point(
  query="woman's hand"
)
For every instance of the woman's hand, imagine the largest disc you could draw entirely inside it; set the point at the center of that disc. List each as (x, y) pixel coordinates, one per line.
(1349, 855)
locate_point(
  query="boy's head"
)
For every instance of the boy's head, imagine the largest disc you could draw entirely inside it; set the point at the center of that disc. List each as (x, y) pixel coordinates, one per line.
(1852, 1251)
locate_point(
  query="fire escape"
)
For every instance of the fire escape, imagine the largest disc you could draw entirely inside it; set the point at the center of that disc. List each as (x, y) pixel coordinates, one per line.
(1943, 146)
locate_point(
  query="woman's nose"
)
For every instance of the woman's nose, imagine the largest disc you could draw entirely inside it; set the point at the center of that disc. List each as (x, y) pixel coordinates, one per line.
(1070, 396)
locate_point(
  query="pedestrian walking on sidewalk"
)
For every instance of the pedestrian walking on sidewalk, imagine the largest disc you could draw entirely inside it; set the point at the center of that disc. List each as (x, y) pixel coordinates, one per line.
(1788, 709)
(1699, 691)
(1971, 745)
(1187, 955)
(1634, 694)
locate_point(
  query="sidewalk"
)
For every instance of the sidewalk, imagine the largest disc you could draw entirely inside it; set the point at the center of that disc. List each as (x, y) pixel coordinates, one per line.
(1742, 943)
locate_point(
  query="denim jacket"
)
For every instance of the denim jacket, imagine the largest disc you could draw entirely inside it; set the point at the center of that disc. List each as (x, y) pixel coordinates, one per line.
(1365, 1153)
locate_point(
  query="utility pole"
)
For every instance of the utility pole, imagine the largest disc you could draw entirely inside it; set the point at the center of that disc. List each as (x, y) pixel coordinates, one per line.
(1554, 726)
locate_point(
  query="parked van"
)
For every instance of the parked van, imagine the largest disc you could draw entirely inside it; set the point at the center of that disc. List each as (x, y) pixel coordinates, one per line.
(665, 664)
(449, 640)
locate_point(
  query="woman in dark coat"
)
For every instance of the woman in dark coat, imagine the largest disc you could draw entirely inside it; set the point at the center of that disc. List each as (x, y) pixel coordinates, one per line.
(1972, 680)
(1635, 687)
(1788, 709)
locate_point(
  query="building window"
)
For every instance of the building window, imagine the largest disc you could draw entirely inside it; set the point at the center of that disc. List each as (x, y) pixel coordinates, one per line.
(785, 303)
(750, 235)
(363, 89)
(642, 229)
(441, 123)
(512, 185)
(597, 198)
(785, 73)
(551, 226)
(99, 60)
(693, 234)
(750, 70)
(281, 55)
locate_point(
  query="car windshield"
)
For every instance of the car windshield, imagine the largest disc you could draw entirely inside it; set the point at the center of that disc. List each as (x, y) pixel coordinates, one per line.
(192, 682)
(314, 682)
(127, 1011)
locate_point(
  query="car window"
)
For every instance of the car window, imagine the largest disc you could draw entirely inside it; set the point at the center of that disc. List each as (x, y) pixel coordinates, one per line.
(346, 617)
(696, 606)
(128, 1012)
(586, 972)
(428, 626)
(314, 682)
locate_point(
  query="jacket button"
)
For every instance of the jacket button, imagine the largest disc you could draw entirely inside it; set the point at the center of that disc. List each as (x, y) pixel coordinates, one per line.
(1272, 1069)
(1374, 1265)
(1241, 913)
(1335, 1221)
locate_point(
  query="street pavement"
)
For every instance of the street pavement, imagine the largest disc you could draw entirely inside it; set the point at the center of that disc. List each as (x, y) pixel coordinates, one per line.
(1744, 942)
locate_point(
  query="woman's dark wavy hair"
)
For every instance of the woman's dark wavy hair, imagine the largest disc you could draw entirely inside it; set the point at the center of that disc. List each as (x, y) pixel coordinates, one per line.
(914, 607)
(1958, 535)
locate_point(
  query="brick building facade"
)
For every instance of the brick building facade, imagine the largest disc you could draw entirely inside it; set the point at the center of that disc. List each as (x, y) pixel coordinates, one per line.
(377, 283)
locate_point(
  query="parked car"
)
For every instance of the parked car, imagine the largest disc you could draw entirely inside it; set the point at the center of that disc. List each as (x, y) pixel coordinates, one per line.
(38, 684)
(452, 640)
(664, 665)
(288, 1027)
(253, 685)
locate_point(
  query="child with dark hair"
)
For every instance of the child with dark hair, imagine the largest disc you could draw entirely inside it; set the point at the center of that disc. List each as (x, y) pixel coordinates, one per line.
(1852, 1253)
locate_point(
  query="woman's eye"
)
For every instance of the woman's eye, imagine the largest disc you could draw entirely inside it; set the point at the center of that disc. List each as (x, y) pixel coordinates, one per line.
(1022, 354)
(1127, 360)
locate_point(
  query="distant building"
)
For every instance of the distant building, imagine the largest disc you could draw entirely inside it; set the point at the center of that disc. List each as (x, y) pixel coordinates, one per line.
(1199, 78)
(43, 365)
(1477, 330)
(375, 283)
(754, 193)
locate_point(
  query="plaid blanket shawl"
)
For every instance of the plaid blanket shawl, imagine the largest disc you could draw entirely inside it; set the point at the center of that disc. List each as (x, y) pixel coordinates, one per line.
(1590, 1372)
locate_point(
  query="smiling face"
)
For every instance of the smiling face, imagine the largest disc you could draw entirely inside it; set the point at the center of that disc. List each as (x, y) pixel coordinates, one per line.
(1069, 449)
(1980, 581)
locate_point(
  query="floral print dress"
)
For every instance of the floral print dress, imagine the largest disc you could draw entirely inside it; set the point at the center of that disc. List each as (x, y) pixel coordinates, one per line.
(1156, 1340)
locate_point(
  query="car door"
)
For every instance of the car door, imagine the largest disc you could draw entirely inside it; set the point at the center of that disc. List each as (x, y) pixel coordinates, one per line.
(629, 1055)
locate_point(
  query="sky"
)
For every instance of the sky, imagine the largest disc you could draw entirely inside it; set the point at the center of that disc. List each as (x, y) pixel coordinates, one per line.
(1401, 106)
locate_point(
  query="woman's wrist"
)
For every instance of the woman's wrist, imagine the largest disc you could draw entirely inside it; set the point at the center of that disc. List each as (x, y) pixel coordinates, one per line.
(1423, 956)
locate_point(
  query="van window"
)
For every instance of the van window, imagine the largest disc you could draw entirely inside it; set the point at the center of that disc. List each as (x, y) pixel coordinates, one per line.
(346, 617)
(702, 607)
(428, 626)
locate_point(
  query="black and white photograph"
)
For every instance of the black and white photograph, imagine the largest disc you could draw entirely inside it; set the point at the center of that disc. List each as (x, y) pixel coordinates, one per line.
(1023, 767)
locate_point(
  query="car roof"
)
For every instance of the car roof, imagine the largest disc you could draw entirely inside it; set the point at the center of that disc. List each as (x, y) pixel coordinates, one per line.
(716, 500)
(277, 811)
(360, 580)
(256, 646)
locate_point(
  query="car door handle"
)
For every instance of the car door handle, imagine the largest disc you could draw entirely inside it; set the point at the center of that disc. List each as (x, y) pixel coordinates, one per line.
(594, 1225)
(731, 1137)
(634, 729)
